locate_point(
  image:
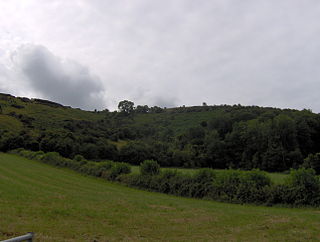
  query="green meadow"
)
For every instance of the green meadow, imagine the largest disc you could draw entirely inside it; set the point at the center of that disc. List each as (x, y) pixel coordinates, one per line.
(61, 205)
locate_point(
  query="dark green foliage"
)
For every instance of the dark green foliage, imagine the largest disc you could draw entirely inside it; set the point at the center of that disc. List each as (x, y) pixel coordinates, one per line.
(313, 161)
(303, 188)
(156, 109)
(202, 183)
(134, 152)
(142, 109)
(220, 137)
(118, 169)
(53, 158)
(231, 186)
(126, 106)
(164, 182)
(78, 158)
(239, 186)
(149, 167)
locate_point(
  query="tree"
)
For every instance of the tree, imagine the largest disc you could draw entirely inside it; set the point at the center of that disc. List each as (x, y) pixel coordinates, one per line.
(142, 109)
(134, 153)
(126, 106)
(156, 109)
(313, 161)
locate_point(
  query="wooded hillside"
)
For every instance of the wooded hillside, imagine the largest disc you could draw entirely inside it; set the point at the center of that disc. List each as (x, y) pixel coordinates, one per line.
(221, 136)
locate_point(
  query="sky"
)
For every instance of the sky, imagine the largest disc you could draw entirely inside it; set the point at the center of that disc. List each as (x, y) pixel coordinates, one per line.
(94, 53)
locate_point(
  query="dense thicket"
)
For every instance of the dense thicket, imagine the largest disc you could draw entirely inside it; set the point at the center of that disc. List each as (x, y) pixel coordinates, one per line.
(204, 136)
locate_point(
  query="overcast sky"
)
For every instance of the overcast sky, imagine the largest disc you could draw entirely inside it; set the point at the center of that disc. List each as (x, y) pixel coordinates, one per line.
(95, 53)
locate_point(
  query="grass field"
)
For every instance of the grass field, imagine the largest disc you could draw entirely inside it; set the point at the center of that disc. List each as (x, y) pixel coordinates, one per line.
(61, 205)
(277, 178)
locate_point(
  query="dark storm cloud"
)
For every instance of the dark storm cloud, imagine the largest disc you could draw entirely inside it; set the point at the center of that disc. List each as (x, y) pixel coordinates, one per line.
(60, 80)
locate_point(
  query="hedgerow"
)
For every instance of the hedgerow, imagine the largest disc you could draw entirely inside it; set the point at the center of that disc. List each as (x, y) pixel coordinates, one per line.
(301, 188)
(107, 169)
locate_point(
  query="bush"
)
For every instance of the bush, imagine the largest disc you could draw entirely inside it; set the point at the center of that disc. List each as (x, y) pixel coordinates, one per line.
(241, 187)
(53, 158)
(253, 187)
(181, 185)
(149, 167)
(202, 184)
(135, 180)
(78, 158)
(303, 188)
(163, 181)
(313, 161)
(118, 169)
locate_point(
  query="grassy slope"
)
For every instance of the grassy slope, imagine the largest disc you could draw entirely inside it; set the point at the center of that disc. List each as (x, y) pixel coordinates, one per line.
(44, 115)
(51, 118)
(60, 205)
(10, 123)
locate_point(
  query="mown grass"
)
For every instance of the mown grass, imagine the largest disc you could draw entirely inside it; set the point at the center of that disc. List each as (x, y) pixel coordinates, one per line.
(277, 178)
(61, 205)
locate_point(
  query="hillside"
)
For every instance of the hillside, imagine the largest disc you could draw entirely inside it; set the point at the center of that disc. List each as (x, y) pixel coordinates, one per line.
(223, 136)
(61, 205)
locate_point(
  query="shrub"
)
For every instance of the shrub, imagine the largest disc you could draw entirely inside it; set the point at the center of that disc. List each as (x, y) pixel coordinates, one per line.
(78, 158)
(241, 187)
(38, 155)
(163, 181)
(253, 187)
(149, 167)
(52, 158)
(202, 184)
(105, 165)
(313, 161)
(135, 180)
(181, 185)
(303, 188)
(226, 185)
(118, 169)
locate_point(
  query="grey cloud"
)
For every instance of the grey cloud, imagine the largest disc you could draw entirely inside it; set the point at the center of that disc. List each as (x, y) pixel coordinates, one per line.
(163, 101)
(64, 81)
(181, 52)
(4, 80)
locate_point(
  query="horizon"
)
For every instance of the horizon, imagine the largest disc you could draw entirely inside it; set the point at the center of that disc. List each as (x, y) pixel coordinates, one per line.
(173, 107)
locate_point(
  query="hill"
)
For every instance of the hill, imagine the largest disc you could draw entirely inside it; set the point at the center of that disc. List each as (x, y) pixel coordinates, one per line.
(223, 136)
(61, 205)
